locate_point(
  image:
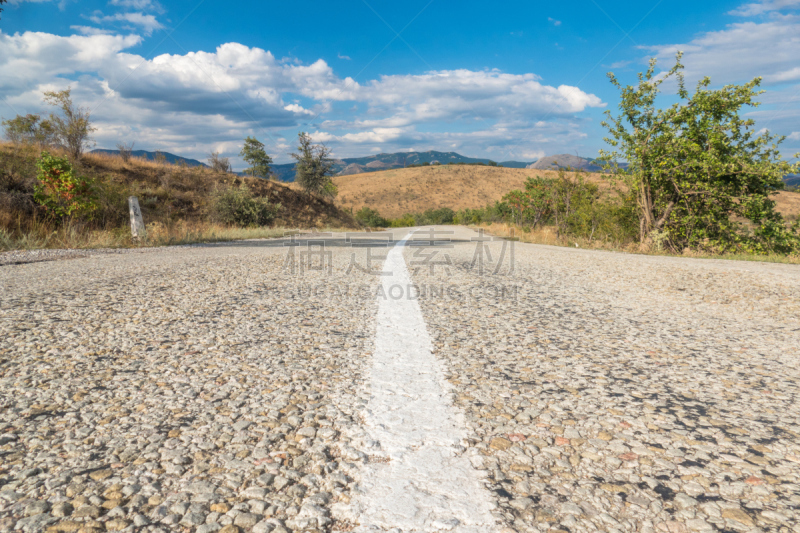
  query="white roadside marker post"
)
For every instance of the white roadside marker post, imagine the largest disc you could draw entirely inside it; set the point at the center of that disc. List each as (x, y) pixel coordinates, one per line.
(137, 223)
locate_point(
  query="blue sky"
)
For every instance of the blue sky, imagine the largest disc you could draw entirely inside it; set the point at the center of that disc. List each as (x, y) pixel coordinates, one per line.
(505, 80)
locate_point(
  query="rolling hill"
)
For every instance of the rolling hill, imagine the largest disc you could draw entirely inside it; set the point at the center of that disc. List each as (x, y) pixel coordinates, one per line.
(409, 190)
(413, 190)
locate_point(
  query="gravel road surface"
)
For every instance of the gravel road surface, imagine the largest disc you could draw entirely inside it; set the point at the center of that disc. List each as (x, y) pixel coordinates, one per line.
(286, 385)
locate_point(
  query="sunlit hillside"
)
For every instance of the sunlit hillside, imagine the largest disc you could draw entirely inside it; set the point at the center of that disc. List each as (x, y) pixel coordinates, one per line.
(414, 190)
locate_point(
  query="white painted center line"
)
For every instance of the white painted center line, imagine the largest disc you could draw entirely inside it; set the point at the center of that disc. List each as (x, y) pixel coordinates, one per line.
(426, 485)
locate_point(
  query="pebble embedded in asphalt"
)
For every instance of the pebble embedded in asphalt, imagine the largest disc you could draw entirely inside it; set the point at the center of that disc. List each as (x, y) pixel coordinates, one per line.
(625, 392)
(204, 389)
(179, 389)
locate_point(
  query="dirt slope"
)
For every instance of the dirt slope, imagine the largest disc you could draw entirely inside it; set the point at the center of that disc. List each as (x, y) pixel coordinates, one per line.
(166, 192)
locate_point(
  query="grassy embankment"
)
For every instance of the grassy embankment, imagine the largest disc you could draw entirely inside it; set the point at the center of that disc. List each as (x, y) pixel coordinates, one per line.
(177, 202)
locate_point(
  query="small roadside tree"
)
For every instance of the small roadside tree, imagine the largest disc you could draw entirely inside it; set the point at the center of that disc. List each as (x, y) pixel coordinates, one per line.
(73, 127)
(125, 150)
(313, 167)
(254, 154)
(29, 129)
(518, 202)
(697, 169)
(219, 163)
(572, 200)
(540, 201)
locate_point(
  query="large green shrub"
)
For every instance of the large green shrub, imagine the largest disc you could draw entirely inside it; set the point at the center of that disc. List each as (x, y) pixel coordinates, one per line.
(405, 221)
(571, 204)
(238, 207)
(699, 171)
(371, 218)
(443, 215)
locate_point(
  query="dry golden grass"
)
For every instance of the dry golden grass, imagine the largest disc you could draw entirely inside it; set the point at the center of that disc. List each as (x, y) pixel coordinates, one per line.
(788, 203)
(548, 236)
(71, 235)
(181, 232)
(414, 190)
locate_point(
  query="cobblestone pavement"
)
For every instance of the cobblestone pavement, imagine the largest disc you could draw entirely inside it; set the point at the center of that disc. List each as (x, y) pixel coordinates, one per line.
(203, 389)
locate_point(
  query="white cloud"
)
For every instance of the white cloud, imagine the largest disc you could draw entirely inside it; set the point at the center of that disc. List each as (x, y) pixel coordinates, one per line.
(554, 22)
(140, 5)
(505, 141)
(193, 102)
(296, 108)
(148, 23)
(465, 94)
(768, 49)
(378, 135)
(341, 56)
(533, 154)
(89, 30)
(786, 75)
(33, 58)
(794, 136)
(766, 6)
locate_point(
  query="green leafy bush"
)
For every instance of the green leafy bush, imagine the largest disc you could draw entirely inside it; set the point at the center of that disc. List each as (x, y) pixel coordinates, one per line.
(60, 192)
(500, 211)
(431, 217)
(699, 171)
(238, 207)
(574, 206)
(371, 218)
(405, 221)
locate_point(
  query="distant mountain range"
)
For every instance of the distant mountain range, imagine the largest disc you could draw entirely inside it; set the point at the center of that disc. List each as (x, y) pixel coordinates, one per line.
(351, 165)
(375, 163)
(554, 162)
